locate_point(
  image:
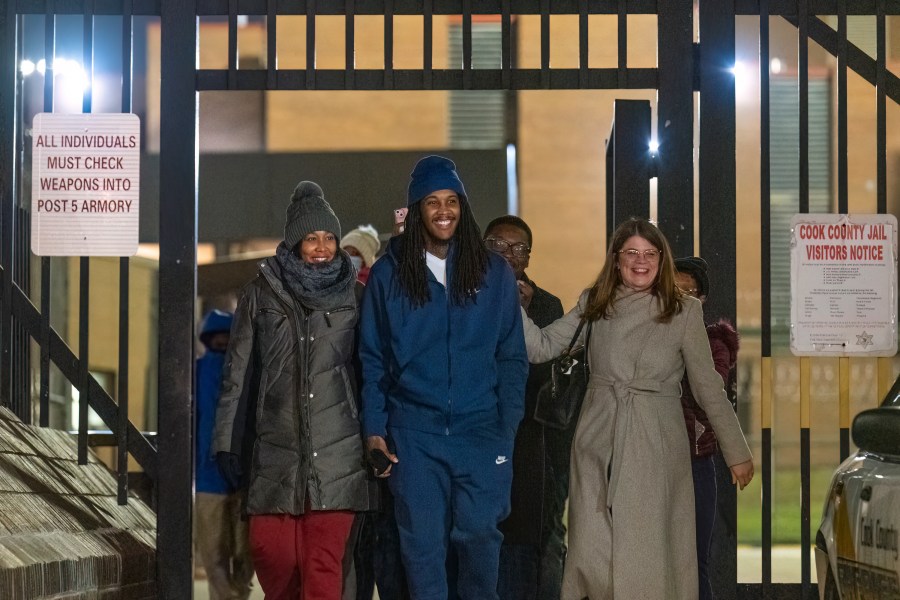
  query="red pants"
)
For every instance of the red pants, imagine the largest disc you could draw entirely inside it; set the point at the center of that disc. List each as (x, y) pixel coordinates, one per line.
(299, 557)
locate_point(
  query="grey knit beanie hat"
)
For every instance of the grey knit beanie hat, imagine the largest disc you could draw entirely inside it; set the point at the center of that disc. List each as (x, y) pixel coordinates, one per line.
(308, 211)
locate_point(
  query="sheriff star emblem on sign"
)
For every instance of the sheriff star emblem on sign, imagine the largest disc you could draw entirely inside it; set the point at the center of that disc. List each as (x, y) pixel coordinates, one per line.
(864, 339)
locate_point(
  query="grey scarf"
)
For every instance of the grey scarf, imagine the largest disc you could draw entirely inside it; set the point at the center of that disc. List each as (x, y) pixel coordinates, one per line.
(316, 286)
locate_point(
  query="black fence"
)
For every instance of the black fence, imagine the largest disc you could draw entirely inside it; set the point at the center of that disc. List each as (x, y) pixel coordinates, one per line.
(684, 68)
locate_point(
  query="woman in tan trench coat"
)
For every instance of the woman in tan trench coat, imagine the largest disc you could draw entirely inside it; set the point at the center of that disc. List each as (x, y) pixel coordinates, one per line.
(631, 498)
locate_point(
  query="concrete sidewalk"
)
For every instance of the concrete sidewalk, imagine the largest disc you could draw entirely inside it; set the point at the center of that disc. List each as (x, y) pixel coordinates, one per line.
(785, 569)
(785, 564)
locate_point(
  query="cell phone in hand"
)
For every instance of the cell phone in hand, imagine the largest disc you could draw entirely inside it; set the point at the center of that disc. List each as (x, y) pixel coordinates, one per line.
(379, 461)
(399, 219)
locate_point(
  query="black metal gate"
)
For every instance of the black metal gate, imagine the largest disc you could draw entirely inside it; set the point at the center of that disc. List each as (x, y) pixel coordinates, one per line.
(684, 67)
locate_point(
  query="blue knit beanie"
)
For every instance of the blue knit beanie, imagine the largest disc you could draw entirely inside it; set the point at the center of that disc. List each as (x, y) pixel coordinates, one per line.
(431, 174)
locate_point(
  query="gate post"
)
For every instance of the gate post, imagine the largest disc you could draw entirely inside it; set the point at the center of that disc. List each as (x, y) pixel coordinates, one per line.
(8, 74)
(675, 124)
(177, 291)
(628, 163)
(718, 197)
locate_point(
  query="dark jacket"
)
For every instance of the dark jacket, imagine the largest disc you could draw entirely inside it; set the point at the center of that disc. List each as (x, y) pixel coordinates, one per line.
(289, 377)
(723, 343)
(523, 526)
(208, 373)
(442, 368)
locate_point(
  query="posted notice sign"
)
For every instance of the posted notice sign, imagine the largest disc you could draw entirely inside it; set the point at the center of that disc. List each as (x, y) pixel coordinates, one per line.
(85, 184)
(844, 285)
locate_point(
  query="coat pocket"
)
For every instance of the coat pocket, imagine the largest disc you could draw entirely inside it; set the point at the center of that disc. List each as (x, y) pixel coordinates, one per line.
(350, 395)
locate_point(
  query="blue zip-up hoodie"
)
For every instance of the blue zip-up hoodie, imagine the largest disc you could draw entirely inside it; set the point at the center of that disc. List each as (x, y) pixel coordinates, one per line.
(442, 368)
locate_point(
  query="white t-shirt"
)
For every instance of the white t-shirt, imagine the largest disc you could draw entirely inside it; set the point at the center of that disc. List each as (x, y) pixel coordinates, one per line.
(438, 266)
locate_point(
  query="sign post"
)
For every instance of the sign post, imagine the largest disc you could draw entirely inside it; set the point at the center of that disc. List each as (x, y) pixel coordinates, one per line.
(843, 285)
(85, 184)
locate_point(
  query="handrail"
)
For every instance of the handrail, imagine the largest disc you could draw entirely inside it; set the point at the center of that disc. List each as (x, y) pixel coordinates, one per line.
(61, 355)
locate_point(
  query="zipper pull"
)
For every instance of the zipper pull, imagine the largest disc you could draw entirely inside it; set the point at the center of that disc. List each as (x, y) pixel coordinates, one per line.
(327, 320)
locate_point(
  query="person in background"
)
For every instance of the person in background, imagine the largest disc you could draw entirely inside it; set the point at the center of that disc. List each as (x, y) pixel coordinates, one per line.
(289, 408)
(362, 245)
(221, 538)
(631, 505)
(533, 550)
(377, 558)
(444, 370)
(692, 278)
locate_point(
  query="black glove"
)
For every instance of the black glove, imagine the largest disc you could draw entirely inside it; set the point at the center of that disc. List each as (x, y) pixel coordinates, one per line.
(230, 467)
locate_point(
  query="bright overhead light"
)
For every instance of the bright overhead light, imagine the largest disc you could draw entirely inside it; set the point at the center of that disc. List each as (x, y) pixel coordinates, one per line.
(776, 66)
(26, 67)
(654, 146)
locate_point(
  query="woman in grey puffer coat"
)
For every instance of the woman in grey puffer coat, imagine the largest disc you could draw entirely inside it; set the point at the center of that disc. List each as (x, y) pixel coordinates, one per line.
(288, 412)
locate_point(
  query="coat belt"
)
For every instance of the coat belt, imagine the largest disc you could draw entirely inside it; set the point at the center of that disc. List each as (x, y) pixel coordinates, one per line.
(625, 391)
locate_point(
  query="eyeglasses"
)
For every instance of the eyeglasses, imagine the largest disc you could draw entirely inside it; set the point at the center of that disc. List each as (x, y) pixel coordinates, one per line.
(633, 253)
(502, 246)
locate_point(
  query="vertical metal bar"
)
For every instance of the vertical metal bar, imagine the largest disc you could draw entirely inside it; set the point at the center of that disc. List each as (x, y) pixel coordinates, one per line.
(622, 24)
(177, 291)
(467, 44)
(718, 229)
(84, 373)
(21, 239)
(583, 43)
(675, 129)
(718, 141)
(9, 130)
(630, 161)
(122, 392)
(885, 364)
(427, 43)
(84, 271)
(844, 405)
(842, 106)
(232, 44)
(880, 101)
(803, 91)
(545, 44)
(766, 299)
(124, 278)
(349, 44)
(805, 369)
(505, 44)
(44, 377)
(49, 52)
(272, 44)
(803, 113)
(388, 44)
(44, 415)
(310, 44)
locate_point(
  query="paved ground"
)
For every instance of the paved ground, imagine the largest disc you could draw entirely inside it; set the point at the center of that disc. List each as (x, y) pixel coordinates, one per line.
(785, 569)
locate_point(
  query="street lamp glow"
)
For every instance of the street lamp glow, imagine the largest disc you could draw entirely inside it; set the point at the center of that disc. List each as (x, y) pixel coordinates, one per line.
(654, 146)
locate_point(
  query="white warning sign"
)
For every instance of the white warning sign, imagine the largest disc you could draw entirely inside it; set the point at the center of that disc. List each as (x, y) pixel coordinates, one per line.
(844, 285)
(85, 184)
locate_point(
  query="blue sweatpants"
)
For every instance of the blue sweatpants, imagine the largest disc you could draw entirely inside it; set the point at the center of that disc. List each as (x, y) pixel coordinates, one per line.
(450, 490)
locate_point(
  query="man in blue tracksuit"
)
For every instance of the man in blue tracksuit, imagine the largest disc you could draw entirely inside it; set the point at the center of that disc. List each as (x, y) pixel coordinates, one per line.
(444, 370)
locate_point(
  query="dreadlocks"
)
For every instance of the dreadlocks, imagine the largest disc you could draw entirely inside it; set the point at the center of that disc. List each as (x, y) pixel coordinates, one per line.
(471, 258)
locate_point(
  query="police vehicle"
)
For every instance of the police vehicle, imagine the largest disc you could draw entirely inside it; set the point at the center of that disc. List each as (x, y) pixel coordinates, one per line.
(857, 543)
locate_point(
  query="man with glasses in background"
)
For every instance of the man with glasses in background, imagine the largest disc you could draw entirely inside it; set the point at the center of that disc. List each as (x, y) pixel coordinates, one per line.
(533, 550)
